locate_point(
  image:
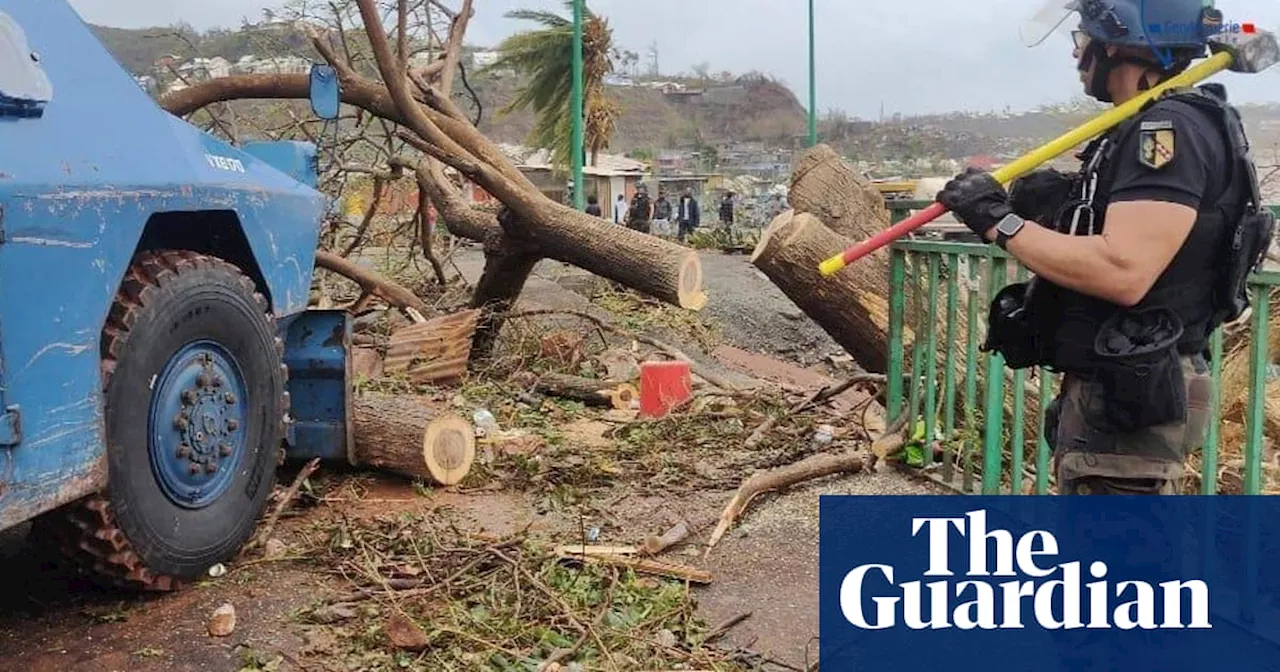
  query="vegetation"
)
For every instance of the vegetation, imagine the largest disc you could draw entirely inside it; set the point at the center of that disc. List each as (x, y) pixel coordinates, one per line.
(544, 58)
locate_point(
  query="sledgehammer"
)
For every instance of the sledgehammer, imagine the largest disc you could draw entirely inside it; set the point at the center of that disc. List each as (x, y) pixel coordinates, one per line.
(1237, 52)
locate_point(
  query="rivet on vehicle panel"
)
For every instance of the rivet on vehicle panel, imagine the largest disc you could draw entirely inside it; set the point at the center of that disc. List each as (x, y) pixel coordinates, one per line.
(225, 449)
(211, 467)
(230, 398)
(184, 450)
(233, 424)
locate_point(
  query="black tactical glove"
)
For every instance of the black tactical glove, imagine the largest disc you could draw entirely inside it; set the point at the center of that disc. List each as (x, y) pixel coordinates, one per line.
(1038, 196)
(977, 199)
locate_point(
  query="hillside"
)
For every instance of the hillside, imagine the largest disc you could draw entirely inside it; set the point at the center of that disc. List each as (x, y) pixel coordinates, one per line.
(752, 108)
(139, 49)
(694, 113)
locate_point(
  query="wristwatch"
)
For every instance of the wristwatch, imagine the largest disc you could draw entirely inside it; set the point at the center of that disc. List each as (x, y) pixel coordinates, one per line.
(1008, 228)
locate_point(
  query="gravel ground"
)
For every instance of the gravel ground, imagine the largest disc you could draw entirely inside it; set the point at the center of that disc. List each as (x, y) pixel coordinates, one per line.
(752, 313)
(755, 315)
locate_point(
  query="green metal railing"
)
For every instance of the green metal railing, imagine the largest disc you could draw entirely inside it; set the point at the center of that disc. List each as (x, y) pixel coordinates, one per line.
(978, 426)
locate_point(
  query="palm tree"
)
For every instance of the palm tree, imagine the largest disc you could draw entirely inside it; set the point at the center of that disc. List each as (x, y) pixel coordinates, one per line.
(544, 58)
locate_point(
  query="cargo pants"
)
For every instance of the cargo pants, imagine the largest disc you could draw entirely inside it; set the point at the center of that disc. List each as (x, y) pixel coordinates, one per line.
(1089, 459)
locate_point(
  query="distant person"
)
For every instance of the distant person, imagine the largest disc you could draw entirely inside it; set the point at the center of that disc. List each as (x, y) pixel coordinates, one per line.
(726, 210)
(688, 214)
(593, 206)
(662, 216)
(640, 216)
(620, 210)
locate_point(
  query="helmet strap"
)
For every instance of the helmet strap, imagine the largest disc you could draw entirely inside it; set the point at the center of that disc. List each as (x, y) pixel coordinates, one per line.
(1096, 53)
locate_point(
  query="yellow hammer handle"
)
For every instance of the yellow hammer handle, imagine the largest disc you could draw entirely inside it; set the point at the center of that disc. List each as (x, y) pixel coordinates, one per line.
(1032, 160)
(1113, 117)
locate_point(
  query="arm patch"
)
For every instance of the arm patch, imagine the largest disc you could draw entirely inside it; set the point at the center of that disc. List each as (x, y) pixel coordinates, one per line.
(1156, 145)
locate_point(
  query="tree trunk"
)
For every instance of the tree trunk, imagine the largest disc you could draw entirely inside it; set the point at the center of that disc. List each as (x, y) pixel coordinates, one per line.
(823, 185)
(587, 390)
(853, 306)
(645, 263)
(505, 272)
(399, 434)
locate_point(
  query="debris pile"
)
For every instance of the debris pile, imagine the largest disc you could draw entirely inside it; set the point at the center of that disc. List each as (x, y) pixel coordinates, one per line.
(425, 596)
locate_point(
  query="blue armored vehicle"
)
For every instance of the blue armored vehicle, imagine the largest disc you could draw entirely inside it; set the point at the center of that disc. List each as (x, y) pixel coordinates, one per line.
(153, 313)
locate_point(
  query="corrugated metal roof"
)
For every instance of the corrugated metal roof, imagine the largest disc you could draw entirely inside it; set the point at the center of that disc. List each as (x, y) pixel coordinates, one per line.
(606, 164)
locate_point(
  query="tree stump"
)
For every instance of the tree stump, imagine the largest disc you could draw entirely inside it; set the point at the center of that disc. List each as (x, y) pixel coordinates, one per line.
(853, 306)
(401, 435)
(825, 186)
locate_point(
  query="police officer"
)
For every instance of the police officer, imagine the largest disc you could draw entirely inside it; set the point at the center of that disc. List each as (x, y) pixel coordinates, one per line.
(1133, 256)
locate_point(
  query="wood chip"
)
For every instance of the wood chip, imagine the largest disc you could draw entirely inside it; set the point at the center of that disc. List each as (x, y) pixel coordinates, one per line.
(405, 634)
(223, 622)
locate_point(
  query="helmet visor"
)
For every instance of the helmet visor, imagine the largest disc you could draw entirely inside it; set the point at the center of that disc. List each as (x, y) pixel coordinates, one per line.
(1053, 17)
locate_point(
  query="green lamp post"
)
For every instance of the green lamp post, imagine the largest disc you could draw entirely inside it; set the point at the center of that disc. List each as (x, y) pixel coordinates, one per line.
(576, 112)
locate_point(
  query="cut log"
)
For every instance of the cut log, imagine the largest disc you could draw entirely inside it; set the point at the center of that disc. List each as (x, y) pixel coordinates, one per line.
(587, 390)
(435, 351)
(853, 307)
(401, 435)
(825, 186)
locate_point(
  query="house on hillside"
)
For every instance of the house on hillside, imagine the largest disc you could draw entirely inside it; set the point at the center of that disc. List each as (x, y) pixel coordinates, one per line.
(281, 65)
(484, 59)
(612, 174)
(205, 68)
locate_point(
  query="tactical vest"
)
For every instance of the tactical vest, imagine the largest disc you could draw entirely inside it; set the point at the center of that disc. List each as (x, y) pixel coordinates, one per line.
(1204, 285)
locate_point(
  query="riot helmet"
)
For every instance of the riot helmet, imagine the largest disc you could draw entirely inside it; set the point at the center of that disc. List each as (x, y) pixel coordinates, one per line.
(1171, 32)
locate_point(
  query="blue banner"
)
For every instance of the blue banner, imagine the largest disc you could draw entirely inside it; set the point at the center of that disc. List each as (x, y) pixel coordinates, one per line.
(1048, 583)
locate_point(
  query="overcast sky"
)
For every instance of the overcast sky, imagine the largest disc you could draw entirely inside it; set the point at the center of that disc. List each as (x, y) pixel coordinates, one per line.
(911, 56)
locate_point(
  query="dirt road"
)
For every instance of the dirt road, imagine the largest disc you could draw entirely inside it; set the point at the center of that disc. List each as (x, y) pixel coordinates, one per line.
(766, 566)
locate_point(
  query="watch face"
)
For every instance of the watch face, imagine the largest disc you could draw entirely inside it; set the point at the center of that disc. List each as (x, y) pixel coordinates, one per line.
(1009, 225)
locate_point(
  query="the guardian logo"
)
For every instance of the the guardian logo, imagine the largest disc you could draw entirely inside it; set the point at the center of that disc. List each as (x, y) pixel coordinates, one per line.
(1052, 595)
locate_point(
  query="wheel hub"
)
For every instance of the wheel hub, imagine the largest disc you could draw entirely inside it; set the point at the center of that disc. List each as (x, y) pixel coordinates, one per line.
(194, 454)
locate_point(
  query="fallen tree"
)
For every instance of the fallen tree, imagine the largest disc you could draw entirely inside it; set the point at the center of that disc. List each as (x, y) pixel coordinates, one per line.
(531, 226)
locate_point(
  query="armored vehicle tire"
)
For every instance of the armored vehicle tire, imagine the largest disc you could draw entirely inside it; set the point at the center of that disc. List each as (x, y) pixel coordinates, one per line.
(194, 408)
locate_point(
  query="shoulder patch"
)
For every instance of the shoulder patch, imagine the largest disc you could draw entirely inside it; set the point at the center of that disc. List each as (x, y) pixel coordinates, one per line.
(1155, 125)
(1155, 147)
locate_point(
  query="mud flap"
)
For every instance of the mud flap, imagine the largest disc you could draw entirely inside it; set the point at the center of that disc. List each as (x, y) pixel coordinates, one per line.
(317, 349)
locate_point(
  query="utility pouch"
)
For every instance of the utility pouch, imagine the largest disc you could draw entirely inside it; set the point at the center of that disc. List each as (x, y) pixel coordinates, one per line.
(1012, 330)
(1245, 249)
(1140, 371)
